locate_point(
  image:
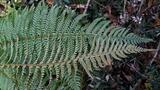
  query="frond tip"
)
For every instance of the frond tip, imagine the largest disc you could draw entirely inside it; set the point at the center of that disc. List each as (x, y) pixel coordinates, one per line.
(45, 42)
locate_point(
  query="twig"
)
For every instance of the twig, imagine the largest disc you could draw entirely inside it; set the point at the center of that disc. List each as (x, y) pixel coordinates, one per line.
(142, 75)
(100, 4)
(137, 84)
(86, 8)
(142, 2)
(124, 7)
(156, 53)
(152, 6)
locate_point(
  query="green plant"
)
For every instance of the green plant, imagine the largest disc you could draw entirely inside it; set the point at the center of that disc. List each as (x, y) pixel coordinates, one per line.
(40, 43)
(153, 77)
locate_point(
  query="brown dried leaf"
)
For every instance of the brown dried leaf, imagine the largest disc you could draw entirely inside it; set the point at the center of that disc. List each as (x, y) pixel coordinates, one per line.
(157, 22)
(151, 2)
(50, 2)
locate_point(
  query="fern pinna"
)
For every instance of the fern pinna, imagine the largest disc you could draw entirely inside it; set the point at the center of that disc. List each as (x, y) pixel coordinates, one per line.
(41, 42)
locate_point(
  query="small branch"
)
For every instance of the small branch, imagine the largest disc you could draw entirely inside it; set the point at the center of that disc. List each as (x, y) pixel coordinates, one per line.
(124, 7)
(137, 84)
(142, 75)
(156, 53)
(99, 4)
(142, 2)
(87, 5)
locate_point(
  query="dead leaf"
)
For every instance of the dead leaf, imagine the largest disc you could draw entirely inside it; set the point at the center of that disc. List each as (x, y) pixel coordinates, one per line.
(157, 22)
(50, 2)
(151, 2)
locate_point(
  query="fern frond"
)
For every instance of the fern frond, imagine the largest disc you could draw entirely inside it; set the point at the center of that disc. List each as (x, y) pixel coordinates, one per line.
(44, 42)
(72, 82)
(5, 83)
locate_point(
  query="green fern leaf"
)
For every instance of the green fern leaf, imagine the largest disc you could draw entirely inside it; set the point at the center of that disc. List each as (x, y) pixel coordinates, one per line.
(39, 43)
